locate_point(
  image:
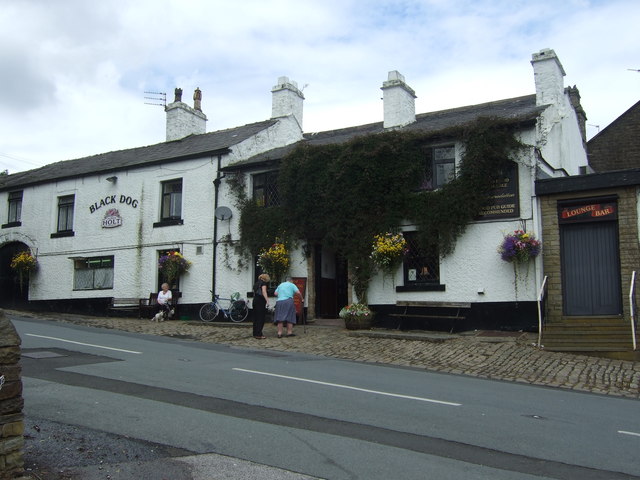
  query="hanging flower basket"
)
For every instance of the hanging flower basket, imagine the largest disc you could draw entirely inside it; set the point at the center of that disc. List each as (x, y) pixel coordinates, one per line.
(172, 265)
(357, 316)
(24, 263)
(274, 261)
(387, 251)
(519, 247)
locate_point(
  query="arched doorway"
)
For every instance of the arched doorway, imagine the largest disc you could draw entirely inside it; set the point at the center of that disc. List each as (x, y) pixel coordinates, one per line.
(13, 294)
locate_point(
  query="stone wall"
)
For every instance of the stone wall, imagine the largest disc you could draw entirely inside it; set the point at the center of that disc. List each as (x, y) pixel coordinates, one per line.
(627, 235)
(11, 403)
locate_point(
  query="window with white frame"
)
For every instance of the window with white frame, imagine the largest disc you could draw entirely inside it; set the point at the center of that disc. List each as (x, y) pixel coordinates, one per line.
(440, 167)
(421, 265)
(95, 273)
(171, 208)
(65, 213)
(265, 189)
(15, 207)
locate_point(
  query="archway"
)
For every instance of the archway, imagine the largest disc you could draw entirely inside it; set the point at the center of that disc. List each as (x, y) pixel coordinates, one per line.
(13, 294)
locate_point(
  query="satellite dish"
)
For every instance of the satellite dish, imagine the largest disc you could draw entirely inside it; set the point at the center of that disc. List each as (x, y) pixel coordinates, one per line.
(223, 213)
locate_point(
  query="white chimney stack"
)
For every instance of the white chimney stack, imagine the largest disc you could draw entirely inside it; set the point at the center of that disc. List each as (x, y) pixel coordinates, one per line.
(399, 101)
(182, 120)
(549, 77)
(287, 100)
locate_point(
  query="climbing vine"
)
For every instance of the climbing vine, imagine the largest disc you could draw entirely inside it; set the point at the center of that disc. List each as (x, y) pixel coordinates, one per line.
(342, 195)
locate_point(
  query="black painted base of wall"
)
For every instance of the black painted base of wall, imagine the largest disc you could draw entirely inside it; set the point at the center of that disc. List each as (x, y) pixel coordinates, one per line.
(505, 316)
(99, 307)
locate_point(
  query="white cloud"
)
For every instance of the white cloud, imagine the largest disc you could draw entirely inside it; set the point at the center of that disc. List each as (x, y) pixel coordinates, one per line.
(75, 72)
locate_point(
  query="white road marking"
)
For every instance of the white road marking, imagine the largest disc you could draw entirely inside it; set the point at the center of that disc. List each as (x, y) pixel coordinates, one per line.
(85, 344)
(629, 433)
(348, 387)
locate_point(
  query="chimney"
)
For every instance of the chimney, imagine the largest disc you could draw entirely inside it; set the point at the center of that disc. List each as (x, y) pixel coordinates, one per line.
(398, 100)
(548, 75)
(182, 120)
(287, 100)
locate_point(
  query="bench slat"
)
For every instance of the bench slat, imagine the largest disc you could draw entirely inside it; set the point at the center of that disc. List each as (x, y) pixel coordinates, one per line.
(410, 303)
(413, 315)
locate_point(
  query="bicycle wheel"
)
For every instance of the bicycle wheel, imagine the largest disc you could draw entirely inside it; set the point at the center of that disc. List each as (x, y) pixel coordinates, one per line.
(209, 311)
(238, 311)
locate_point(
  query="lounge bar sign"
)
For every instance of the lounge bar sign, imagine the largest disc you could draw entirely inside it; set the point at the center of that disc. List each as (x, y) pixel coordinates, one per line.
(588, 212)
(504, 201)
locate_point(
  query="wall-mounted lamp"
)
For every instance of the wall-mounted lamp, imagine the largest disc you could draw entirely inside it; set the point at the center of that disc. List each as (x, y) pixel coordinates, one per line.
(113, 179)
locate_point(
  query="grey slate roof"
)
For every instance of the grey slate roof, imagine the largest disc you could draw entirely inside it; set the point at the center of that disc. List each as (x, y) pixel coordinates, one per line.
(591, 181)
(185, 148)
(519, 109)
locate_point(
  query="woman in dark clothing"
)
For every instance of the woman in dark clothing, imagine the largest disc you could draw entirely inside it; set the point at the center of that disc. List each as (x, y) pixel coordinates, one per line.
(260, 304)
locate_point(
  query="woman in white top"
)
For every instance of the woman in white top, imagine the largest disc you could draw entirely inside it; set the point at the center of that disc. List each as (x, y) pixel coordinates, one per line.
(164, 298)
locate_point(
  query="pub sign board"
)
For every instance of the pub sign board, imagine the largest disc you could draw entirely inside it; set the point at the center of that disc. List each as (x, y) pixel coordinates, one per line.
(590, 211)
(505, 199)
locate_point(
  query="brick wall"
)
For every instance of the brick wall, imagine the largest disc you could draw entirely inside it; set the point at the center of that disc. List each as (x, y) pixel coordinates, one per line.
(11, 403)
(618, 146)
(628, 241)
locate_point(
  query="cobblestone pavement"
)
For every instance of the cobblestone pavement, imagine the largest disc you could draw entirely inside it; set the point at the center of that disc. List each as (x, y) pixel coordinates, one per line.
(495, 355)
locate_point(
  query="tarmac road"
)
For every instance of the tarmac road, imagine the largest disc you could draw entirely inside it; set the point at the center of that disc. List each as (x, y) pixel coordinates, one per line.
(496, 355)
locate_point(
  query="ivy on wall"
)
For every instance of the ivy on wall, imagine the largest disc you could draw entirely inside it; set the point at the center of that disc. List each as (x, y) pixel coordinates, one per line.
(341, 195)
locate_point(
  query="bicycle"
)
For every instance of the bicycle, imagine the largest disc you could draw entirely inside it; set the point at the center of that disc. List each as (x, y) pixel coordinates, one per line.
(237, 311)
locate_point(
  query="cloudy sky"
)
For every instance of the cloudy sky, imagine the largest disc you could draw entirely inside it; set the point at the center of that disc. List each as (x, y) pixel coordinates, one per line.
(74, 72)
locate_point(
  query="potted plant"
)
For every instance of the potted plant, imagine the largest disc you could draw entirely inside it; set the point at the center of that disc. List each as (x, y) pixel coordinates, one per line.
(23, 263)
(387, 251)
(173, 264)
(519, 247)
(274, 261)
(357, 316)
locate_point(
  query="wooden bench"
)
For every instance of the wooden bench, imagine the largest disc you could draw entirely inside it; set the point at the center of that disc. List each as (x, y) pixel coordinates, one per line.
(147, 306)
(125, 304)
(452, 311)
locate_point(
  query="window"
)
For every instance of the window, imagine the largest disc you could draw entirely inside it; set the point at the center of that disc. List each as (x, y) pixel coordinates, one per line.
(15, 209)
(94, 273)
(265, 189)
(420, 266)
(441, 167)
(65, 213)
(171, 208)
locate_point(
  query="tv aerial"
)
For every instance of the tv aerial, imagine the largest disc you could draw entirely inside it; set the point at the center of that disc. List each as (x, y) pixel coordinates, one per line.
(159, 99)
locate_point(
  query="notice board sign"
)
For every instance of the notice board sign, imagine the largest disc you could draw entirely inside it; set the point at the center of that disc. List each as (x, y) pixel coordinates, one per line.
(504, 201)
(301, 283)
(588, 212)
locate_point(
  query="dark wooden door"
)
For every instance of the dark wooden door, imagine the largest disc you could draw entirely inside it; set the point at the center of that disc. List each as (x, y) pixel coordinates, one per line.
(591, 268)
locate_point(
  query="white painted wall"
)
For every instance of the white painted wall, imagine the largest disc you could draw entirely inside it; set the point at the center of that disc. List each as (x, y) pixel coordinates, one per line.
(134, 244)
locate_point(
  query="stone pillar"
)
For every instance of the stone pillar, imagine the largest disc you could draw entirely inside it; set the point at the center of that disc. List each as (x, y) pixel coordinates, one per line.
(11, 403)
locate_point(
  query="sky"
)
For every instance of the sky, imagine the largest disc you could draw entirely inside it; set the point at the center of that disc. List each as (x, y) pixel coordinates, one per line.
(73, 73)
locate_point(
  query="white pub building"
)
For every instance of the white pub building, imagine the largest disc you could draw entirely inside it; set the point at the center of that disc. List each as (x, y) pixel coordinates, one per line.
(98, 225)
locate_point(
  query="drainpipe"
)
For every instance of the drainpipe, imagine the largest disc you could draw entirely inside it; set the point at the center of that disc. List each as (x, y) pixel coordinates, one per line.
(216, 189)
